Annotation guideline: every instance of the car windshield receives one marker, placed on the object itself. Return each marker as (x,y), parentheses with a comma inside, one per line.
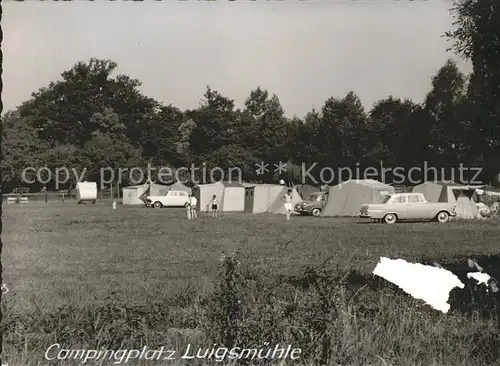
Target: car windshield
(385,199)
(312,197)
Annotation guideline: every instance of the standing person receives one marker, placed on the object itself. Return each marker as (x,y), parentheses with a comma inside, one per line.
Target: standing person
(188,208)
(193,202)
(287,199)
(214,205)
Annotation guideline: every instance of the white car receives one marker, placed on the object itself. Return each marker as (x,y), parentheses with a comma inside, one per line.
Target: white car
(171,199)
(408,207)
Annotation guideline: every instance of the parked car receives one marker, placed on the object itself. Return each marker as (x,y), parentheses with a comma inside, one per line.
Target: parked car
(313,205)
(171,199)
(408,207)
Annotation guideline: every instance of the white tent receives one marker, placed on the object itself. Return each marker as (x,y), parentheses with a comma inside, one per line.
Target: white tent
(466,207)
(204,193)
(278,206)
(231,196)
(260,197)
(234,197)
(131,194)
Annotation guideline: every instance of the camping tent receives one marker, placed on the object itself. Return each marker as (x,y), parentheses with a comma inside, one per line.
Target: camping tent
(461,195)
(234,197)
(135,195)
(231,196)
(466,207)
(277,206)
(444,191)
(347,198)
(131,194)
(178,186)
(305,190)
(157,190)
(204,193)
(257,198)
(260,197)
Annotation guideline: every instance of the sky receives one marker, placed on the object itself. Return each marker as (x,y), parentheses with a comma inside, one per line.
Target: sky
(304,52)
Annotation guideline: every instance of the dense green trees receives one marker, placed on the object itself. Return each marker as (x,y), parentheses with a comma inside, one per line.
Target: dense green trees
(93,118)
(476,37)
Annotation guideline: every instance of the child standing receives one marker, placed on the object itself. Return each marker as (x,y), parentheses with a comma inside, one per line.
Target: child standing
(214,205)
(193,201)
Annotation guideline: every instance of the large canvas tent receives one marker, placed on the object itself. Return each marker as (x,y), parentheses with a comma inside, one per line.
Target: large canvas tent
(444,191)
(259,198)
(231,196)
(136,195)
(466,206)
(305,190)
(347,198)
(178,186)
(461,195)
(204,193)
(278,207)
(156,190)
(234,197)
(131,194)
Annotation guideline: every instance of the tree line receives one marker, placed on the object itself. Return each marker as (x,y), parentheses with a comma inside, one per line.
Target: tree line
(93,118)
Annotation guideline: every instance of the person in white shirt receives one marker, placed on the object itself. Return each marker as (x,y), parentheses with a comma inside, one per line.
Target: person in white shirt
(287,198)
(193,201)
(188,208)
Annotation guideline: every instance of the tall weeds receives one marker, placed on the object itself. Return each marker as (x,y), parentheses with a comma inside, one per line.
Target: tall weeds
(335,318)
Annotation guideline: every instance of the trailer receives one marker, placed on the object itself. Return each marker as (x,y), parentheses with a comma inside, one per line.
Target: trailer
(86,192)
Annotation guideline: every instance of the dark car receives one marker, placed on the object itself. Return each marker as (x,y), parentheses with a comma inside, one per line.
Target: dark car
(313,205)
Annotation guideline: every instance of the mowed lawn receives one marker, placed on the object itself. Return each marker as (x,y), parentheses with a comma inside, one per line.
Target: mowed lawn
(57,254)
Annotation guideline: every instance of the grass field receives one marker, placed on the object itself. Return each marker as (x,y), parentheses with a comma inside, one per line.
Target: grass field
(79,257)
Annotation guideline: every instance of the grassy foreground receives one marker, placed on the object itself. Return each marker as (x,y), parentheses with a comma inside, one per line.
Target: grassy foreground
(89,277)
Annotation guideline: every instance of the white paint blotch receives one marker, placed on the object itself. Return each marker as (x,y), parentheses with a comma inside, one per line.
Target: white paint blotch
(427,283)
(479,277)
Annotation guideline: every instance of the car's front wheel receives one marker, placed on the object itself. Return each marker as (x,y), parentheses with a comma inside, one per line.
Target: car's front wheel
(316,212)
(390,218)
(157,204)
(443,217)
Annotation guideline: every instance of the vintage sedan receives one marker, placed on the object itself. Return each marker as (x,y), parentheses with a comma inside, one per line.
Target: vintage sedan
(171,199)
(408,207)
(313,205)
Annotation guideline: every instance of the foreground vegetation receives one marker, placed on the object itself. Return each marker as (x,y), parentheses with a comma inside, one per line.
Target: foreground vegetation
(89,277)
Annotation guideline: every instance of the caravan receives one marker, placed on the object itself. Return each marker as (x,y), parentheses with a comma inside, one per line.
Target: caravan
(86,192)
